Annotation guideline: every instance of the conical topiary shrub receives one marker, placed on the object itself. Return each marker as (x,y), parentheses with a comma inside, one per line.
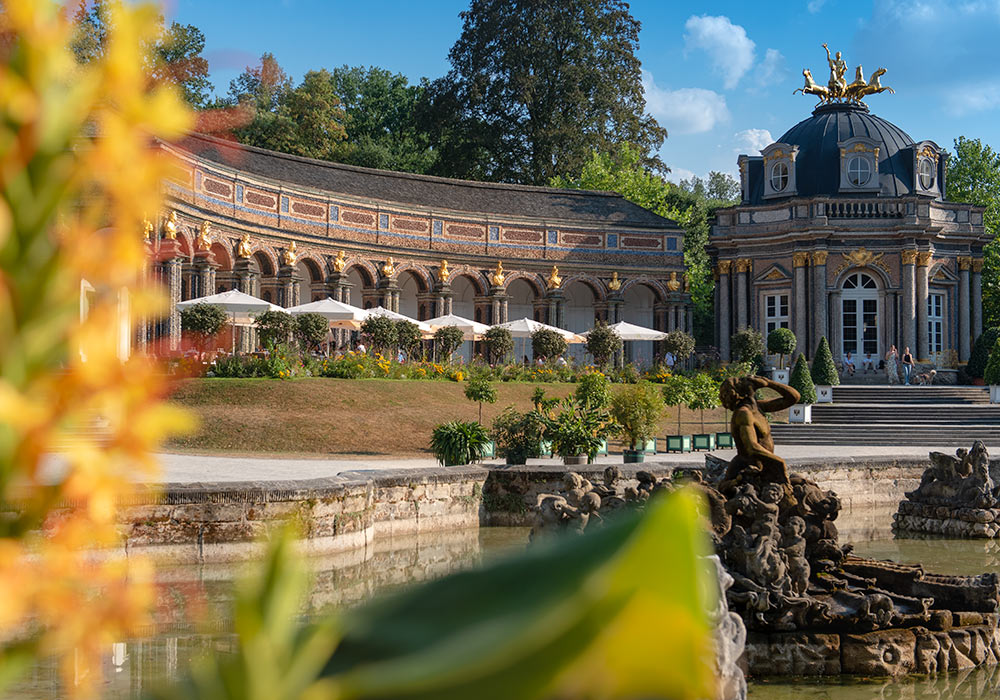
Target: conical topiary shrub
(824,371)
(802,381)
(992,372)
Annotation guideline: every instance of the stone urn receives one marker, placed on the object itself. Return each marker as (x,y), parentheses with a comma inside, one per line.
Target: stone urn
(824,393)
(800,413)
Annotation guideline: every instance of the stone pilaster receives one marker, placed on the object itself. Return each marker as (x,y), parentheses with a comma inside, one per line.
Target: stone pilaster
(820,301)
(742,300)
(689,318)
(725,309)
(557,303)
(908,310)
(288,286)
(204,279)
(977,297)
(836,339)
(247,280)
(800,262)
(964,309)
(615,303)
(923,339)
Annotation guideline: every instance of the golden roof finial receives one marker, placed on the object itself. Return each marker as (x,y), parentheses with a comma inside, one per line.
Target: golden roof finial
(204,241)
(290,256)
(243,249)
(443,273)
(170,227)
(615,284)
(554,281)
(339,262)
(838,89)
(498,276)
(389,267)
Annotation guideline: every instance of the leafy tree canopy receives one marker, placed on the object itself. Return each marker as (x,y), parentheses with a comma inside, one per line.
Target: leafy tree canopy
(175,56)
(974,178)
(310,330)
(274,327)
(602,343)
(535,87)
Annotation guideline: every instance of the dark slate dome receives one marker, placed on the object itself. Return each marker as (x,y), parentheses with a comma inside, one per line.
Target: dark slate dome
(817,166)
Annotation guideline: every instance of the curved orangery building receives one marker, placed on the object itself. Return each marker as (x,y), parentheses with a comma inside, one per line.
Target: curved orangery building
(292,230)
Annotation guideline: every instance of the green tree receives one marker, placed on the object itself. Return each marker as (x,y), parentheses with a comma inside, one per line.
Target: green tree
(382,332)
(306,120)
(680,343)
(703,394)
(747,345)
(824,371)
(204,322)
(499,344)
(981,352)
(801,380)
(636,410)
(479,388)
(547,343)
(677,392)
(603,343)
(535,87)
(274,327)
(974,178)
(407,336)
(992,373)
(447,340)
(310,330)
(781,342)
(719,189)
(175,56)
(380,120)
(593,390)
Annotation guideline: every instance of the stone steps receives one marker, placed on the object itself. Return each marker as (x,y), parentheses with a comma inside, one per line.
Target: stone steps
(864,414)
(885,434)
(911,394)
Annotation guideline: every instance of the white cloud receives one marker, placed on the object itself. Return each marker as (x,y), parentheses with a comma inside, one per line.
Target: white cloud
(815,6)
(677,174)
(751,141)
(686,110)
(728,47)
(772,68)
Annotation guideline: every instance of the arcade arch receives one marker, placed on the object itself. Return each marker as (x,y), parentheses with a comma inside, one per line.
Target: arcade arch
(639,301)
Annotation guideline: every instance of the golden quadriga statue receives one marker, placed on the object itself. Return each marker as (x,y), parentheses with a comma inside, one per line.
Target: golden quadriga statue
(837,88)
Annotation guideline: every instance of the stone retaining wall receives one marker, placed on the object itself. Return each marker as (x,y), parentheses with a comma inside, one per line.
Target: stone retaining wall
(225,521)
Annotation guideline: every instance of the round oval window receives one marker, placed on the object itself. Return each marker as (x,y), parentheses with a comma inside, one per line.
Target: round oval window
(779,176)
(859,171)
(926,170)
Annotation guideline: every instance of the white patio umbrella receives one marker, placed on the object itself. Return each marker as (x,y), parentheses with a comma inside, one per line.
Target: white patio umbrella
(241,307)
(380,311)
(473,330)
(524,327)
(339,314)
(630,331)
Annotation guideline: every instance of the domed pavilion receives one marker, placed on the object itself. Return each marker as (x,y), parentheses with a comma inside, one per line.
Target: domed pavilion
(843,231)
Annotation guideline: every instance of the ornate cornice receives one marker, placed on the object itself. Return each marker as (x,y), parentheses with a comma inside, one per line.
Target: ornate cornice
(819,257)
(909,257)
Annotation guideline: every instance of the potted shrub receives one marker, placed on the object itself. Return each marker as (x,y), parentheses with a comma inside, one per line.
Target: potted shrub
(547,344)
(594,390)
(517,435)
(577,431)
(992,373)
(676,390)
(802,382)
(781,342)
(603,343)
(704,394)
(459,442)
(636,410)
(980,354)
(204,321)
(680,344)
(480,389)
(824,372)
(499,344)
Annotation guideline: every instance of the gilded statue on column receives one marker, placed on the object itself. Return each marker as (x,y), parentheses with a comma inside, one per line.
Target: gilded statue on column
(243,250)
(389,267)
(443,272)
(290,256)
(170,227)
(673,284)
(204,241)
(498,276)
(147,230)
(339,262)
(554,281)
(615,284)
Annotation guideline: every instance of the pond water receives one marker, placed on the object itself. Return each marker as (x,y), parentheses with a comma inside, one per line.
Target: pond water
(205,593)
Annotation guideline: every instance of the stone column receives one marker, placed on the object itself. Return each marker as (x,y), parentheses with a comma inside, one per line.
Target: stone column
(663,317)
(964,309)
(908,311)
(836,325)
(977,297)
(800,261)
(615,302)
(742,302)
(173,269)
(503,310)
(689,318)
(556,301)
(725,311)
(923,341)
(288,286)
(819,297)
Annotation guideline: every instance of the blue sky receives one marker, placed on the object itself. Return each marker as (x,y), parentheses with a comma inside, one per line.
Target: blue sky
(718,75)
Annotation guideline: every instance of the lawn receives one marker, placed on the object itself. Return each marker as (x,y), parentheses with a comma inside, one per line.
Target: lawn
(315,417)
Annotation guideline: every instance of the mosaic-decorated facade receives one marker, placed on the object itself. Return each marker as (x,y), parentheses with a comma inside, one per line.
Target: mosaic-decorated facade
(292,230)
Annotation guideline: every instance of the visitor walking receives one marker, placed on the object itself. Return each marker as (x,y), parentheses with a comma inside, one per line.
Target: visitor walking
(892,365)
(907,365)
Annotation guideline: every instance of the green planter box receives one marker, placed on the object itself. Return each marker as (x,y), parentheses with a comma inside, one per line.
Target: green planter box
(703,441)
(545,449)
(724,440)
(489,450)
(678,443)
(649,447)
(603,449)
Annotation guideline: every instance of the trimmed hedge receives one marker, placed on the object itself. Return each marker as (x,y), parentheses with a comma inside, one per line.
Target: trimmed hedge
(802,381)
(824,371)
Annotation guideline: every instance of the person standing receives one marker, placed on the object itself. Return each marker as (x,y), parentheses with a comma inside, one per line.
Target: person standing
(891,365)
(907,365)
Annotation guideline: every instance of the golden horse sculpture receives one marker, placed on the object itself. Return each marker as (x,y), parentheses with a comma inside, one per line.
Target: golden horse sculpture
(838,88)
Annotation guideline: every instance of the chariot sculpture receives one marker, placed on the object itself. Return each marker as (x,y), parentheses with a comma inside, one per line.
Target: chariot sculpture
(838,89)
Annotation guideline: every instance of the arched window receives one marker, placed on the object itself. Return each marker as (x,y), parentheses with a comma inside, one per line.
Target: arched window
(779,176)
(860,280)
(926,173)
(859,171)
(859,316)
